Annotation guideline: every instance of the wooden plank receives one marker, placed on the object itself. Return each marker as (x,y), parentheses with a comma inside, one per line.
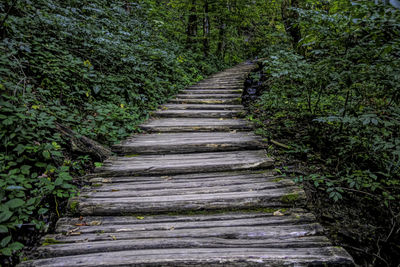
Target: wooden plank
(269,198)
(151,219)
(208,96)
(189,142)
(213,92)
(320,256)
(185,163)
(192,113)
(206,101)
(255,232)
(196,125)
(202,106)
(89,226)
(267,182)
(217,87)
(217,83)
(70,249)
(187,177)
(123,191)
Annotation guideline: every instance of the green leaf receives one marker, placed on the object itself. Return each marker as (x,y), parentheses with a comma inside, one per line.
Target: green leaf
(3,229)
(6,251)
(15,203)
(19,148)
(58,181)
(46,154)
(25,169)
(16,246)
(4,242)
(5,215)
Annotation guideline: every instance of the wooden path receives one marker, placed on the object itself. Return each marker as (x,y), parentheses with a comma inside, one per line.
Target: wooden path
(196,189)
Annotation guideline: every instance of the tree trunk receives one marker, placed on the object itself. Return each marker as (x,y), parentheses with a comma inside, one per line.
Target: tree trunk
(221,41)
(289,18)
(82,144)
(128,7)
(191,31)
(206,30)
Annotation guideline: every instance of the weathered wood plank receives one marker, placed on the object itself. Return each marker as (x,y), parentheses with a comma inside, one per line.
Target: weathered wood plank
(151,219)
(217,87)
(269,198)
(188,142)
(185,163)
(206,257)
(254,232)
(212,92)
(178,113)
(265,182)
(183,242)
(86,225)
(195,124)
(206,101)
(187,177)
(202,106)
(207,188)
(213,84)
(208,96)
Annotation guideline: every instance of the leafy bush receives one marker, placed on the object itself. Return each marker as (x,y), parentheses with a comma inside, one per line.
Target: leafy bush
(340,99)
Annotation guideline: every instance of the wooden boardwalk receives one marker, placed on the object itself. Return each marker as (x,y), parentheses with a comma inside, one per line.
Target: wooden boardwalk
(196,189)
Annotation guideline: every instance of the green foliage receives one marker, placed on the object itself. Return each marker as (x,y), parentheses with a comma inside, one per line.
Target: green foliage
(340,99)
(96,67)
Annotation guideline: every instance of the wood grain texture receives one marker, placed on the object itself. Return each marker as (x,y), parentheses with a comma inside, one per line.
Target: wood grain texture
(195,125)
(208,96)
(187,177)
(206,101)
(202,106)
(185,163)
(212,92)
(188,142)
(325,256)
(192,113)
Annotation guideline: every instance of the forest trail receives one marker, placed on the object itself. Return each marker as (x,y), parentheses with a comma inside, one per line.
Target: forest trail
(195,189)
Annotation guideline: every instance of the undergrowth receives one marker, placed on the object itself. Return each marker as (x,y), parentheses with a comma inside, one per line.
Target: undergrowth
(334,106)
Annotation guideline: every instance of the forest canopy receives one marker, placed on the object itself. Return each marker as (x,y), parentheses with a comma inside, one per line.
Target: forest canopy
(327,87)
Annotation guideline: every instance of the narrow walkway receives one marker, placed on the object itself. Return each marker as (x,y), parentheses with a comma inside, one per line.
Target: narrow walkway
(197,189)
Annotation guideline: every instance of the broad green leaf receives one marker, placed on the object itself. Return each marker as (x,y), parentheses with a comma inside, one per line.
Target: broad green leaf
(15,203)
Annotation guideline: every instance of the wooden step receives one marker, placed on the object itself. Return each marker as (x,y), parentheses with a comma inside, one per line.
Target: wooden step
(232,239)
(227,182)
(220,81)
(216,87)
(188,142)
(185,163)
(202,106)
(327,256)
(202,113)
(195,124)
(212,91)
(269,198)
(232,176)
(121,192)
(206,101)
(208,96)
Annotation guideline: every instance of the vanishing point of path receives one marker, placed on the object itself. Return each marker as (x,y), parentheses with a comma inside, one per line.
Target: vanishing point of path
(195,189)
